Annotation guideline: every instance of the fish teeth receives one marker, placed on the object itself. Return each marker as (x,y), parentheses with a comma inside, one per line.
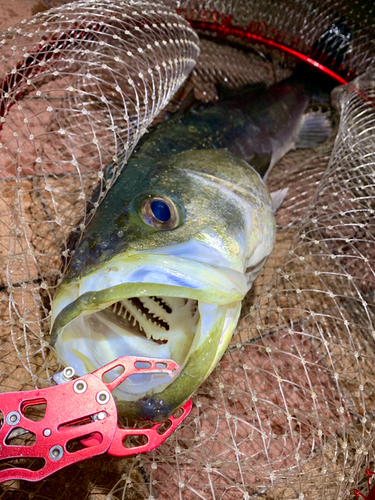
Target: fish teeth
(150,317)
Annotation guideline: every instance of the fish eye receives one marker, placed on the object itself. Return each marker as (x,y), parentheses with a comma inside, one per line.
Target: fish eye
(160,212)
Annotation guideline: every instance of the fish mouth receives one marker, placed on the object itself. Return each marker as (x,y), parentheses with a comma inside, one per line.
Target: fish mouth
(182,310)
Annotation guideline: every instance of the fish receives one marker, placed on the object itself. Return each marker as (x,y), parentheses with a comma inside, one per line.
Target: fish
(163,266)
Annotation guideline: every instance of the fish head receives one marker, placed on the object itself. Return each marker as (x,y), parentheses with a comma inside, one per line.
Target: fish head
(161,272)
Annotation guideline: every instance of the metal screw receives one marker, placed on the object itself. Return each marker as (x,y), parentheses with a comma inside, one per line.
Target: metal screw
(56,453)
(99,416)
(47,432)
(13,418)
(102,397)
(68,373)
(80,386)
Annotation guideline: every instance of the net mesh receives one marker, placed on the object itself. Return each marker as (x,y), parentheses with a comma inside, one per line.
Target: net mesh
(288,413)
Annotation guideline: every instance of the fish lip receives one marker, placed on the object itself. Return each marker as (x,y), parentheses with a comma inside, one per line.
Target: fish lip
(214,285)
(91,302)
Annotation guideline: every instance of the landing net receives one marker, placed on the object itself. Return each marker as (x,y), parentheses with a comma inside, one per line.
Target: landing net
(289,412)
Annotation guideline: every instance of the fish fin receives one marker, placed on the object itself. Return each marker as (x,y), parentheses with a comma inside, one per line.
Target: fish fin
(315,129)
(278,198)
(260,162)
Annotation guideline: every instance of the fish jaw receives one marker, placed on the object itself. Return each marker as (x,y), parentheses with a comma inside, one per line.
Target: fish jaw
(200,363)
(87,335)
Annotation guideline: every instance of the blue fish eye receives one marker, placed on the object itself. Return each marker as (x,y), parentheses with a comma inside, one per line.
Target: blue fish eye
(161,210)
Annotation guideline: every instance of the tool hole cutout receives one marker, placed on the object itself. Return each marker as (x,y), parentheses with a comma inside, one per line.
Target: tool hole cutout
(34,410)
(178,413)
(20,437)
(32,464)
(161,365)
(81,443)
(142,364)
(77,422)
(162,429)
(135,441)
(1,419)
(113,374)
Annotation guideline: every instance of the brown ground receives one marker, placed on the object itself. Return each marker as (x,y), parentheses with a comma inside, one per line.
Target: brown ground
(13,11)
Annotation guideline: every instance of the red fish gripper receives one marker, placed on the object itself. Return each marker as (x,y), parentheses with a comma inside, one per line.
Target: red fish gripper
(371,493)
(80,422)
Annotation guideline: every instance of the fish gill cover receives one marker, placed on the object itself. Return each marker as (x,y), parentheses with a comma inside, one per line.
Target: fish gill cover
(288,413)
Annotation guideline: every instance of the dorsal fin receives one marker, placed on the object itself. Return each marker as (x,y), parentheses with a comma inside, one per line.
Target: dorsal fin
(315,129)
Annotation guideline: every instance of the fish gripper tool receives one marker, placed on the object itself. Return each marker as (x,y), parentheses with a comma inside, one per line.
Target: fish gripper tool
(371,493)
(80,421)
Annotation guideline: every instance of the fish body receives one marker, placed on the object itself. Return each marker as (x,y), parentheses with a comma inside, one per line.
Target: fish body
(174,247)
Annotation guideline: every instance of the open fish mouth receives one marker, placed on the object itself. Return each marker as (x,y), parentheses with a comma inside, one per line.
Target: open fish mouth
(153,317)
(157,319)
(182,310)
(151,326)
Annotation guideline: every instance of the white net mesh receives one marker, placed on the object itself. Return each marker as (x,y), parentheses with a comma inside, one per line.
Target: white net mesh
(289,411)
(80,86)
